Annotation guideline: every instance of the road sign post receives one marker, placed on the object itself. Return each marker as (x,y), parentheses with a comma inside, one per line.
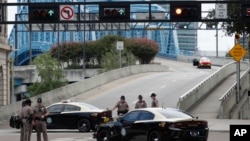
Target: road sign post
(119,47)
(237,52)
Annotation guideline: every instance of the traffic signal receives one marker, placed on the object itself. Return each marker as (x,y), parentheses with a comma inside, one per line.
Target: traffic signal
(41,13)
(114,11)
(245,12)
(185,12)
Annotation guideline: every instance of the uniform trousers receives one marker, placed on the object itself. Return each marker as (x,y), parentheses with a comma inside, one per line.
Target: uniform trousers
(27,128)
(41,128)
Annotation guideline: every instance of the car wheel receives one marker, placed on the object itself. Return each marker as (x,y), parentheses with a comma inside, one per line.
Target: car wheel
(83,125)
(154,136)
(104,135)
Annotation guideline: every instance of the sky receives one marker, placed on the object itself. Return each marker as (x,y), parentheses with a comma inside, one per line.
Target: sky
(206,38)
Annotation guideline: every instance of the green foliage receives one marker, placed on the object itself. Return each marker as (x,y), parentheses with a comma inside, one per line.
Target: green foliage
(50,73)
(234,12)
(144,49)
(103,52)
(110,60)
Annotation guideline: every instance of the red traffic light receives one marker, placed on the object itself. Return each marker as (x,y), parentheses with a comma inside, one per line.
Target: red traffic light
(40,13)
(248,12)
(114,12)
(110,12)
(185,12)
(178,11)
(107,12)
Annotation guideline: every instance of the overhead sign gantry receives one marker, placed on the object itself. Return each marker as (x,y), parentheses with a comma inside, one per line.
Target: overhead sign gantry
(73,16)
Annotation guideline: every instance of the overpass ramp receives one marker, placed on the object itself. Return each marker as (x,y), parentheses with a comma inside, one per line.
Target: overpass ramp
(209,107)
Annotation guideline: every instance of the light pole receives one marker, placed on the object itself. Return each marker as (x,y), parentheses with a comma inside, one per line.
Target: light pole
(83,48)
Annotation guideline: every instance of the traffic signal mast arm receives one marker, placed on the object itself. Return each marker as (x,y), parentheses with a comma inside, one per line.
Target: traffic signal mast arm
(178,12)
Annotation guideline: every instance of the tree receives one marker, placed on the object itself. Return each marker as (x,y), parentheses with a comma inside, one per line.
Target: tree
(142,48)
(50,73)
(231,28)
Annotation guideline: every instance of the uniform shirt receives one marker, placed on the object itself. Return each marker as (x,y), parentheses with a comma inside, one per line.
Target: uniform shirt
(122,106)
(140,104)
(27,111)
(39,110)
(154,103)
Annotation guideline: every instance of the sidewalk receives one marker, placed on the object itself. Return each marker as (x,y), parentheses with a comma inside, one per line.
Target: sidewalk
(223,125)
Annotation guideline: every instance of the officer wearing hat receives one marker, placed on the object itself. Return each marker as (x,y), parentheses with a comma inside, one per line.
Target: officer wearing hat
(40,113)
(140,103)
(155,102)
(27,120)
(20,120)
(122,106)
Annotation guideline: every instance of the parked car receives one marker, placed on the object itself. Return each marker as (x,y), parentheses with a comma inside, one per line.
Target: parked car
(72,115)
(151,124)
(204,62)
(195,62)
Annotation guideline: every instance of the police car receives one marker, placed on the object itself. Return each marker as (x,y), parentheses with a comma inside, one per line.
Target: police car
(154,124)
(73,115)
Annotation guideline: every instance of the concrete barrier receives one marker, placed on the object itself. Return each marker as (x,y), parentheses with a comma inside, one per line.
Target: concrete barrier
(200,91)
(230,107)
(82,86)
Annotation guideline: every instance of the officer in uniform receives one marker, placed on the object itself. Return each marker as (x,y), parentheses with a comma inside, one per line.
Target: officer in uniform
(140,103)
(27,120)
(155,102)
(40,112)
(122,106)
(20,115)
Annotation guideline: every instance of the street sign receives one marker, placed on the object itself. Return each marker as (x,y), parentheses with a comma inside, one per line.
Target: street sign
(221,11)
(237,52)
(67,12)
(119,45)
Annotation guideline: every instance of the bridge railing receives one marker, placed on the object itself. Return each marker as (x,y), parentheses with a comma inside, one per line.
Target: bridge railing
(230,107)
(203,89)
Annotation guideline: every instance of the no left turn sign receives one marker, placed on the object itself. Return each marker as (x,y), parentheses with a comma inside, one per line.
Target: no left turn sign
(66,12)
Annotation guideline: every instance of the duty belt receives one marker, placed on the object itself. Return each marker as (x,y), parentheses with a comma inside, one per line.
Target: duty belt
(38,118)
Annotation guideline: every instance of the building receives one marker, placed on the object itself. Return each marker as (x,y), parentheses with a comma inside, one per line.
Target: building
(29,44)
(4,60)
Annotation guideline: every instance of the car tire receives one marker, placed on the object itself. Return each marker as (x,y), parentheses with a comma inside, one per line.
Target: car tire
(84,125)
(104,135)
(154,135)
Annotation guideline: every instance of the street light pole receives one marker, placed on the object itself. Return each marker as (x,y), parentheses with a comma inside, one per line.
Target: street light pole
(83,50)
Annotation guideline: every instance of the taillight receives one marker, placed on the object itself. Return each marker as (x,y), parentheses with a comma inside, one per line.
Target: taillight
(176,125)
(189,124)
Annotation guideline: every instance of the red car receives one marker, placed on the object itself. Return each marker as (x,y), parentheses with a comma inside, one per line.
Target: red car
(204,62)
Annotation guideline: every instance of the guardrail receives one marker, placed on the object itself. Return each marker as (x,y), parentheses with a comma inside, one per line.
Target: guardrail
(82,86)
(229,105)
(200,91)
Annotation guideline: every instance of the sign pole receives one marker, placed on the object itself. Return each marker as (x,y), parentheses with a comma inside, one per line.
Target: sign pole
(237,52)
(237,74)
(119,47)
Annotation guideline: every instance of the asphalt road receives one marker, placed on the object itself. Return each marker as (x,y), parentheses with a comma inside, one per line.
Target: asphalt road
(168,86)
(8,134)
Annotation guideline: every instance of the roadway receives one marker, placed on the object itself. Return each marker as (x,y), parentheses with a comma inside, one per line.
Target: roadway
(168,86)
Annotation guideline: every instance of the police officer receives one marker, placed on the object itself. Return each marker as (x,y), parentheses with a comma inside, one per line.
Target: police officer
(20,115)
(27,120)
(140,103)
(40,113)
(122,106)
(155,102)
